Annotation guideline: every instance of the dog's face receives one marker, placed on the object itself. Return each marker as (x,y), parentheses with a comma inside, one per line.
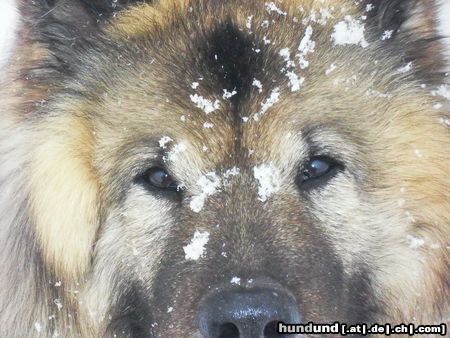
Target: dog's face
(253,153)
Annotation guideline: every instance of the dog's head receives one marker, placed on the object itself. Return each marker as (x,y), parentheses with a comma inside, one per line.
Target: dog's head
(217,167)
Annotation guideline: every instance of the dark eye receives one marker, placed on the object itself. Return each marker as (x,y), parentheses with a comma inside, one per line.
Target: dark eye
(159,178)
(318,170)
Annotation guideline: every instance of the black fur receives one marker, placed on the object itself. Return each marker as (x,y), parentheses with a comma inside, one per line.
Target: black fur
(108,7)
(229,55)
(389,14)
(130,315)
(422,48)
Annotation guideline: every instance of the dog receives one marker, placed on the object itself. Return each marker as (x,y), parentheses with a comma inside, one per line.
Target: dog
(181,168)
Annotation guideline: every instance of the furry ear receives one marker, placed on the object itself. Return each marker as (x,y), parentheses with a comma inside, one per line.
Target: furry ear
(70,10)
(410,27)
(399,16)
(66,29)
(107,7)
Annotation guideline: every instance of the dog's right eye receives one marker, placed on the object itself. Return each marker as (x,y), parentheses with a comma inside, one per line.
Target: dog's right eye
(159,178)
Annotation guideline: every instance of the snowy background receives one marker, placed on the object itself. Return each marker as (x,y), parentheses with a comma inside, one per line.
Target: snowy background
(9,19)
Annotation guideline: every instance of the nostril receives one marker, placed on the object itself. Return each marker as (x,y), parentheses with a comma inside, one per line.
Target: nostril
(271,330)
(228,330)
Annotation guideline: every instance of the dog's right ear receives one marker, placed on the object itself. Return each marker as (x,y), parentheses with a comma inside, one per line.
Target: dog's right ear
(82,14)
(105,8)
(64,27)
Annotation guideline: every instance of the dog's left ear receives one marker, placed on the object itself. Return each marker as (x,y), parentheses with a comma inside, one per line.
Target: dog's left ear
(410,26)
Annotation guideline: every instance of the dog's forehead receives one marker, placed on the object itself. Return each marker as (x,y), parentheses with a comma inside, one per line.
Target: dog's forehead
(231,94)
(236,93)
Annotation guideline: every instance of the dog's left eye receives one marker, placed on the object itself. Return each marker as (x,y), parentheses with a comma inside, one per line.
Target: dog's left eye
(159,178)
(318,170)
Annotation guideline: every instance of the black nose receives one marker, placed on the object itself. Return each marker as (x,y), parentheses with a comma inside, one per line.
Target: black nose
(247,312)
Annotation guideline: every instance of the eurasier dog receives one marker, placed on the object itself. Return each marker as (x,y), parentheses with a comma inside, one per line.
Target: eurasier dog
(212,168)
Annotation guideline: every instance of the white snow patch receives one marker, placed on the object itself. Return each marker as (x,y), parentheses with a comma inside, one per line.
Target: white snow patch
(443,90)
(406,68)
(266,40)
(58,303)
(226,94)
(435,246)
(208,125)
(313,17)
(257,84)
(437,106)
(204,104)
(273,98)
(286,55)
(445,121)
(414,242)
(194,85)
(235,280)
(233,171)
(209,184)
(306,46)
(164,140)
(38,326)
(387,34)
(176,150)
(268,178)
(376,93)
(294,81)
(324,16)
(330,69)
(248,23)
(369,7)
(169,309)
(196,248)
(271,7)
(349,32)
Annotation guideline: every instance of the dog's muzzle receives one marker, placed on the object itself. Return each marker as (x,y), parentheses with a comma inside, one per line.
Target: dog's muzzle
(250,311)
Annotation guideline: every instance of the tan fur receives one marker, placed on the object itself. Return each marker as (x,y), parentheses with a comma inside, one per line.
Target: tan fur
(65,190)
(396,145)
